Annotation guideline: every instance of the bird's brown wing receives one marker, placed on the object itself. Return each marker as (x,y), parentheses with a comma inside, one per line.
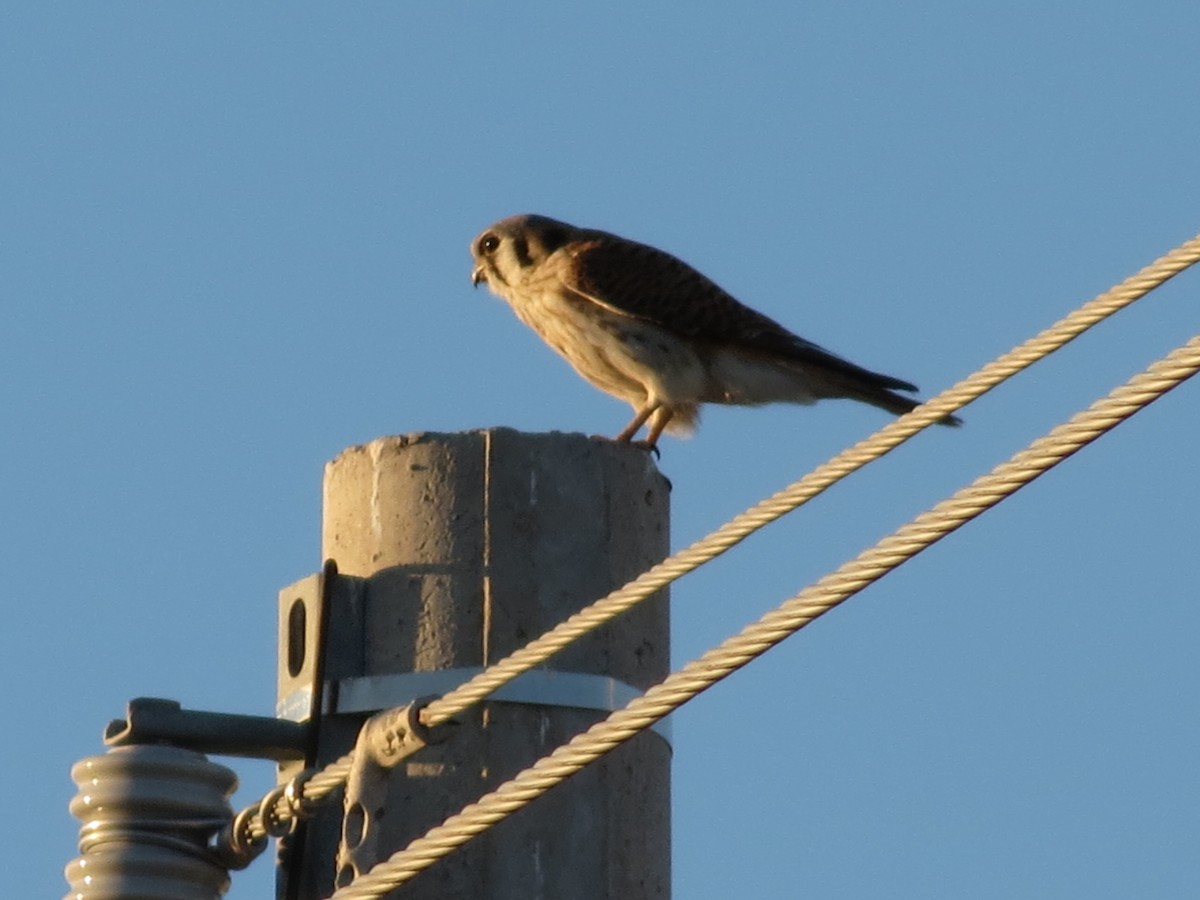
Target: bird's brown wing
(637,280)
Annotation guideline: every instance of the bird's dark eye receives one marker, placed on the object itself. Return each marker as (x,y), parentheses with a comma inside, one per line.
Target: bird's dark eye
(488,243)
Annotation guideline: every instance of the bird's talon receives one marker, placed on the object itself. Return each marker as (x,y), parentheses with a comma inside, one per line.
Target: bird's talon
(649,447)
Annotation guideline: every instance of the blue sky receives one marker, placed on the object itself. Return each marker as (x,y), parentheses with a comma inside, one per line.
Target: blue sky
(233,241)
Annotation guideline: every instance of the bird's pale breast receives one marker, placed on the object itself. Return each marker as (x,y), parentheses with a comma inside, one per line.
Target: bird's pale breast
(620,355)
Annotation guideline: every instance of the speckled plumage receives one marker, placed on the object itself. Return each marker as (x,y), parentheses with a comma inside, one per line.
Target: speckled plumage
(646,327)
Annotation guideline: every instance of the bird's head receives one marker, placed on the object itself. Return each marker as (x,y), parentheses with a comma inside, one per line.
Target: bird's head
(507,253)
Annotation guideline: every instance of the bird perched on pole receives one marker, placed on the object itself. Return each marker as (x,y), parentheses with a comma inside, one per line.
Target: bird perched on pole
(646,327)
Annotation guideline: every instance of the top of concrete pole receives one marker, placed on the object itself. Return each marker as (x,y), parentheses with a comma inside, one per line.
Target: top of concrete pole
(368,527)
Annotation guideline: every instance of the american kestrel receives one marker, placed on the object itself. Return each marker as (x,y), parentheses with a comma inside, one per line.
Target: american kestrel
(650,330)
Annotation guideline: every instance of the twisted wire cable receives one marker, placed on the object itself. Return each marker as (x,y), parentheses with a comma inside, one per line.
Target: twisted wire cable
(758,637)
(319,786)
(779,504)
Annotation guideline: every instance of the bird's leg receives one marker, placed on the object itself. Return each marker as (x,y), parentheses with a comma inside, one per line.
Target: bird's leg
(639,420)
(662,416)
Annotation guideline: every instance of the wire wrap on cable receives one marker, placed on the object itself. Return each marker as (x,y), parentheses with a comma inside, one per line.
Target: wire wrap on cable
(754,640)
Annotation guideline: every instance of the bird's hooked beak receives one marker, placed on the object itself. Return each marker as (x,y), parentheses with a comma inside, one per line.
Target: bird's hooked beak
(478,275)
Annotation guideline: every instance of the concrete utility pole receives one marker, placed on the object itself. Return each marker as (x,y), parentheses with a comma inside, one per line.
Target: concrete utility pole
(471,545)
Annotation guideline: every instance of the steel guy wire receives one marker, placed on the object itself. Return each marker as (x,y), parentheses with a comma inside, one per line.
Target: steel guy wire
(779,504)
(780,623)
(321,785)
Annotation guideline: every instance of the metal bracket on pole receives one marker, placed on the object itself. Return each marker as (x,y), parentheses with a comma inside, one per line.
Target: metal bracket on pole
(151,720)
(394,734)
(385,740)
(536,687)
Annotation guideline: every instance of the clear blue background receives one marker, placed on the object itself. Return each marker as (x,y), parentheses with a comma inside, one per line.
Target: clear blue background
(233,241)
